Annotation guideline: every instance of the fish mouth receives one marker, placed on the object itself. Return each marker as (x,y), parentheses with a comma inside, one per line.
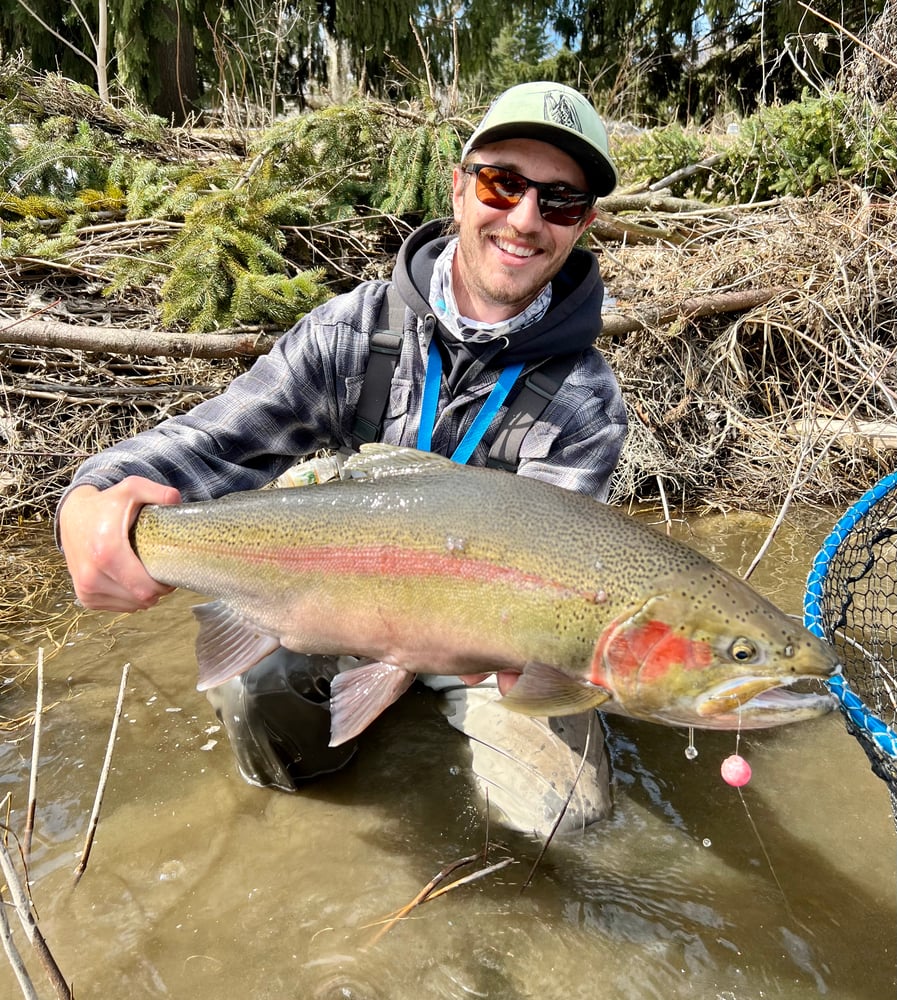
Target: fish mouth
(760,703)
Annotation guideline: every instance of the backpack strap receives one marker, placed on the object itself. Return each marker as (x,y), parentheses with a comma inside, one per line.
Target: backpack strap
(537,391)
(530,402)
(386,346)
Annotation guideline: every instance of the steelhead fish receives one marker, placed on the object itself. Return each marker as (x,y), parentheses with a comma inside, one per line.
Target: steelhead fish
(422,565)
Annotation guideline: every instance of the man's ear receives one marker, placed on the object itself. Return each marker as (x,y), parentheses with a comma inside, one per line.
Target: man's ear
(459,183)
(589,218)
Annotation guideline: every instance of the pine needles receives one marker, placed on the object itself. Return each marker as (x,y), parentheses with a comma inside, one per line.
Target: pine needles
(232,259)
(227,265)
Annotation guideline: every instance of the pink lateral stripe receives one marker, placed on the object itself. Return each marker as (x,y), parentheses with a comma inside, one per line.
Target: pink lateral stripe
(389,560)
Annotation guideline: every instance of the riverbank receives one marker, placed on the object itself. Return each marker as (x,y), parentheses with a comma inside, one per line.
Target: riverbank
(755,348)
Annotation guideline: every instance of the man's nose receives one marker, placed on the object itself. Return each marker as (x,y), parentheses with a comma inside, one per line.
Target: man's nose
(525,215)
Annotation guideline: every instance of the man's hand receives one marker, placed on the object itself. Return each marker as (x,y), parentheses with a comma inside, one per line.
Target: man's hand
(93,532)
(506,679)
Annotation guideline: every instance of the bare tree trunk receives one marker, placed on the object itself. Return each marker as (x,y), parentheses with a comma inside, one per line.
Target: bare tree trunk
(103,50)
(175,60)
(337,73)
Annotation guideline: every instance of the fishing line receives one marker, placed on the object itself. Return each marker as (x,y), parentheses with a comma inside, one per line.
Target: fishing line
(691,752)
(772,870)
(754,827)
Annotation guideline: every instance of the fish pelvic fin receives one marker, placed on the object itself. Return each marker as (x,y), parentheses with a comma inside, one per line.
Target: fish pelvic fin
(359,695)
(227,644)
(545,690)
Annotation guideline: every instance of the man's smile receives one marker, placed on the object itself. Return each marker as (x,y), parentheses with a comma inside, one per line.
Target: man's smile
(516,249)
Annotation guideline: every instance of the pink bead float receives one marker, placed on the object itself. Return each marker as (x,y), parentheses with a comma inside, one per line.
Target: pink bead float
(735,771)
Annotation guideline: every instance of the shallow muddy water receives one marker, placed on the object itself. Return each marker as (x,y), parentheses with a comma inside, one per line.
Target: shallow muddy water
(200,886)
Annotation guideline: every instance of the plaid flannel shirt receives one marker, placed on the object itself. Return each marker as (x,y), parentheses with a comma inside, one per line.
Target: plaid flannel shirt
(301,397)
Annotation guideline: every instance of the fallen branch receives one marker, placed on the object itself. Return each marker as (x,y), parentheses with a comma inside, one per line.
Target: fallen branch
(158,343)
(654,201)
(617,230)
(121,340)
(615,324)
(683,172)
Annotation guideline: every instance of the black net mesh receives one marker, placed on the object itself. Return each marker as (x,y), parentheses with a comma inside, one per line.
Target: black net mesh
(852,602)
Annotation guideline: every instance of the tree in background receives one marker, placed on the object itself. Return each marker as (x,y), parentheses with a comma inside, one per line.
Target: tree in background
(681,60)
(155,54)
(146,47)
(57,36)
(651,60)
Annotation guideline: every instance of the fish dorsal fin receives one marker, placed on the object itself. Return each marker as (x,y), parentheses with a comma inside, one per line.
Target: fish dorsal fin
(227,644)
(377,461)
(545,690)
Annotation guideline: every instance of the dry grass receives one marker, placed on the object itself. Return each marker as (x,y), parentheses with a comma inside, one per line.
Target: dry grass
(58,407)
(33,611)
(744,410)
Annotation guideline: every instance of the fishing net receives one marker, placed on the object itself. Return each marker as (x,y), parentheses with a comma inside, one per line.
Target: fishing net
(851,601)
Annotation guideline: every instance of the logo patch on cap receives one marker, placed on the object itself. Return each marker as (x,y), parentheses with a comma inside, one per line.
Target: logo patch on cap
(558,108)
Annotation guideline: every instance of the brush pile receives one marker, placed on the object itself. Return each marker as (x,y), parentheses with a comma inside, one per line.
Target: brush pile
(754,340)
(793,397)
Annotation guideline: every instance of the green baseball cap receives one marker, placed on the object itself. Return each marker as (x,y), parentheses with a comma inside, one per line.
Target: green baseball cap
(554,114)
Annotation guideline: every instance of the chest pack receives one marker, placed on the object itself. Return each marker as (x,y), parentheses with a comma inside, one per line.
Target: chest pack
(524,408)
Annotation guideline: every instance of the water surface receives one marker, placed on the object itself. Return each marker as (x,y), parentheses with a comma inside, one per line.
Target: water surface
(200,886)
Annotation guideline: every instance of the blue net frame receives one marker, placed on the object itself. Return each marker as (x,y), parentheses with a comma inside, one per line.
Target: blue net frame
(851,602)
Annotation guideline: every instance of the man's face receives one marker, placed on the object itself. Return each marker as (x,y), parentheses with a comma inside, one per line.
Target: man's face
(506,257)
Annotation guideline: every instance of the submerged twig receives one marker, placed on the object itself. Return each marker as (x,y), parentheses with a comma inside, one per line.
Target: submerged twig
(15,959)
(23,909)
(465,879)
(35,756)
(104,775)
(434,889)
(562,811)
(422,896)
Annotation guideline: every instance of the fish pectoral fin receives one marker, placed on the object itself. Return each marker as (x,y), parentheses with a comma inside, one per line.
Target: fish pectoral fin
(359,695)
(545,690)
(227,644)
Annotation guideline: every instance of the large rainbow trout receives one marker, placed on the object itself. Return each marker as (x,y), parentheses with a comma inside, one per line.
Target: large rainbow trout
(420,565)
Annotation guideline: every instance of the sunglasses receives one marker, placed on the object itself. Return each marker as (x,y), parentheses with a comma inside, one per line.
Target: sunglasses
(559,204)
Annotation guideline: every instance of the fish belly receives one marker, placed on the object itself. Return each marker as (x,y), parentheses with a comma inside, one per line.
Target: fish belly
(450,626)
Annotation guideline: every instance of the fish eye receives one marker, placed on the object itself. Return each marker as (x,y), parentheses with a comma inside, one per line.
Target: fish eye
(743,650)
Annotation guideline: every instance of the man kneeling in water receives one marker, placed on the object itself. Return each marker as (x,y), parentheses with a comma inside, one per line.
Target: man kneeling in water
(486,306)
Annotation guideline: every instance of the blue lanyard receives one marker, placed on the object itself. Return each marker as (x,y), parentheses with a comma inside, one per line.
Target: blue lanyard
(482,420)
